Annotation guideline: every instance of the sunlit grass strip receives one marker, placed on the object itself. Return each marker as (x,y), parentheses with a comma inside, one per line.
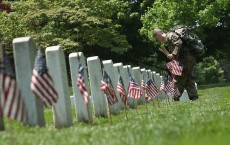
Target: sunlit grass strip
(201,122)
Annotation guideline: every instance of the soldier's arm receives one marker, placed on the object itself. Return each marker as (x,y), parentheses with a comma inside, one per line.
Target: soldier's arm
(177,43)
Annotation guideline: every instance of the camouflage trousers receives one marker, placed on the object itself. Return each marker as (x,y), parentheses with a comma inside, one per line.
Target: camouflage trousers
(187,80)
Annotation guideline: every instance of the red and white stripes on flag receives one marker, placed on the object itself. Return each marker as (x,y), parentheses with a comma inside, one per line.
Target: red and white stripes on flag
(11,102)
(162,87)
(143,86)
(121,90)
(108,89)
(174,67)
(42,87)
(172,89)
(151,89)
(176,92)
(81,84)
(134,90)
(42,84)
(169,86)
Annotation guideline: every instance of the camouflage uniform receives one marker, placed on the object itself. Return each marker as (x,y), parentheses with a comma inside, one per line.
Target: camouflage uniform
(184,55)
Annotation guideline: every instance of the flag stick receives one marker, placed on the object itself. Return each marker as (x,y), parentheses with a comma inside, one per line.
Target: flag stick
(136,105)
(125,103)
(145,100)
(2,127)
(126,116)
(167,99)
(158,101)
(153,102)
(110,115)
(11,132)
(146,105)
(126,107)
(87,108)
(1,123)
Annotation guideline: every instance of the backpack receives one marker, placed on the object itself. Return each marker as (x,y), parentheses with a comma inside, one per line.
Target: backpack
(190,39)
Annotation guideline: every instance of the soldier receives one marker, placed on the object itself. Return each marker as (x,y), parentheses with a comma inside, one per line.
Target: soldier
(181,52)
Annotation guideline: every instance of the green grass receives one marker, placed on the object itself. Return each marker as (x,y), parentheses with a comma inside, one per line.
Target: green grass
(202,122)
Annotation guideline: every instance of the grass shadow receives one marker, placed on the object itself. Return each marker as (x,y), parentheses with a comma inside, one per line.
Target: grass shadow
(213,86)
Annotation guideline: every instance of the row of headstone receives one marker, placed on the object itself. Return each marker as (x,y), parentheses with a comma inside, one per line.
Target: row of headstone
(24,56)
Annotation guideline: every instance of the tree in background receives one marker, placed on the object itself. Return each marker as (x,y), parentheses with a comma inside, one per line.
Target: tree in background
(209,71)
(82,25)
(118,29)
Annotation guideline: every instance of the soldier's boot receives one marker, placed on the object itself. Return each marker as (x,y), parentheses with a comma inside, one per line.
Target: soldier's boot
(176,99)
(193,98)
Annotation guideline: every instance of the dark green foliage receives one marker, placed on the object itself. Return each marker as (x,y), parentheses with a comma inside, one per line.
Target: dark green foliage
(209,71)
(75,25)
(118,29)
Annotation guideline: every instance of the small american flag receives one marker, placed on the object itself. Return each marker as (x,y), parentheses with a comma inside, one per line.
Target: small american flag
(11,102)
(163,87)
(151,89)
(134,89)
(174,67)
(81,84)
(143,86)
(176,92)
(121,90)
(42,84)
(107,87)
(169,85)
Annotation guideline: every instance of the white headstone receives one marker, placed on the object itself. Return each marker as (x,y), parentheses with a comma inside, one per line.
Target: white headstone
(95,77)
(153,75)
(149,73)
(162,95)
(108,67)
(72,101)
(138,77)
(57,68)
(144,77)
(24,58)
(127,70)
(118,70)
(158,83)
(84,112)
(125,77)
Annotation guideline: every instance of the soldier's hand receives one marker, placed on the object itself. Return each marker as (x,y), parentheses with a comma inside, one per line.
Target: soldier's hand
(170,56)
(165,51)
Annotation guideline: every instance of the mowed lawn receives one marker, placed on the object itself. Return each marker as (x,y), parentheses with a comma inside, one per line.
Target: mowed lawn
(202,122)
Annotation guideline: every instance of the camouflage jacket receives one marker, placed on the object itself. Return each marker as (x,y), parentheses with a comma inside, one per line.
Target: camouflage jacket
(174,43)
